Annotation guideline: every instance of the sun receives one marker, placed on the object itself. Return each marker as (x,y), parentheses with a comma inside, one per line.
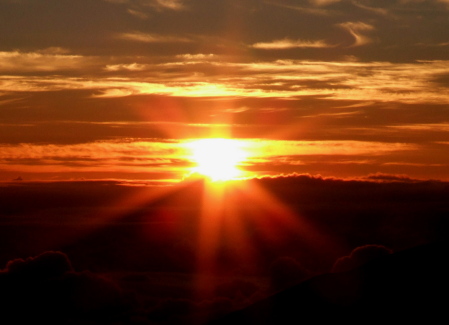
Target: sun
(217,158)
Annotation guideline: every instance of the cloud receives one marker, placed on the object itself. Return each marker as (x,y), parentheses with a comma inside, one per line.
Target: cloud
(232,289)
(97,157)
(390,178)
(138,14)
(127,67)
(280,148)
(356,29)
(169,4)
(359,256)
(206,75)
(159,5)
(286,43)
(46,265)
(438,127)
(174,159)
(151,38)
(53,50)
(46,60)
(285,272)
(46,288)
(302,9)
(185,311)
(379,11)
(323,2)
(198,56)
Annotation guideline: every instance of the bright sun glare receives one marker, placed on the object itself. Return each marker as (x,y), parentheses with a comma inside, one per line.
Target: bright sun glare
(217,158)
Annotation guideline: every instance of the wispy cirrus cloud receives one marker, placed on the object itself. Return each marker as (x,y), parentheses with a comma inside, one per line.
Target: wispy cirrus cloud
(287,43)
(47,60)
(302,9)
(375,10)
(169,4)
(156,4)
(138,13)
(361,81)
(198,56)
(112,158)
(323,2)
(267,148)
(357,30)
(127,67)
(439,127)
(151,38)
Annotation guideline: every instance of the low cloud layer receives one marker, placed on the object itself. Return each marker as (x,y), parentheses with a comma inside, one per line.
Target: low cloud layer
(360,256)
(46,288)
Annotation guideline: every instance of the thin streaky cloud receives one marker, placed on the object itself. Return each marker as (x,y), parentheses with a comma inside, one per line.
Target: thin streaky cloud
(287,43)
(423,127)
(377,81)
(379,11)
(198,56)
(46,60)
(156,4)
(323,2)
(304,10)
(265,148)
(441,44)
(54,50)
(413,164)
(169,4)
(138,14)
(151,38)
(127,67)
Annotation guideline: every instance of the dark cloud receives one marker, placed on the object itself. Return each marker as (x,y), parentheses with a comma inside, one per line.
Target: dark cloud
(285,272)
(236,289)
(442,80)
(46,288)
(185,311)
(360,256)
(404,286)
(390,178)
(46,265)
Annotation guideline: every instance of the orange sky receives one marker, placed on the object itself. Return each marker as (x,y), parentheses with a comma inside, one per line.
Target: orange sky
(98,89)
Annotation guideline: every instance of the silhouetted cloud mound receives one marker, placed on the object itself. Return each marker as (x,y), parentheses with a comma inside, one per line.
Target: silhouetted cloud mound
(409,286)
(186,311)
(286,271)
(46,288)
(360,256)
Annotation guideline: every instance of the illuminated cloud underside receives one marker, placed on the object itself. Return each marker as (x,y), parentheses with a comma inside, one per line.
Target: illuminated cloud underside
(339,80)
(175,157)
(289,44)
